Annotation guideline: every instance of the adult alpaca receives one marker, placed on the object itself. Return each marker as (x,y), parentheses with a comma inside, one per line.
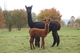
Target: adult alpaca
(40,33)
(54,26)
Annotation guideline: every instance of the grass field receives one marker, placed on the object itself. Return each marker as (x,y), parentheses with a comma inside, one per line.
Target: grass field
(18,41)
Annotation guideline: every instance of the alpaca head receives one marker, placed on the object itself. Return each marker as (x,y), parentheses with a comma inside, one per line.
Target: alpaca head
(28,8)
(47,23)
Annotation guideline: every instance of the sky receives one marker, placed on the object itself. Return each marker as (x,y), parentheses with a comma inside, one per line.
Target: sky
(67,8)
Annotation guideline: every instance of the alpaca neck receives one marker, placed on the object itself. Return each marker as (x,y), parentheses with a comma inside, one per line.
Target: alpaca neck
(46,29)
(30,22)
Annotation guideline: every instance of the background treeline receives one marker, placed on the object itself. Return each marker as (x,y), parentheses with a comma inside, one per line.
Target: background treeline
(74,22)
(18,18)
(14,19)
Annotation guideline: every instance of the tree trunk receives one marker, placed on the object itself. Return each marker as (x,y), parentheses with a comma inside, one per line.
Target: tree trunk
(10,28)
(19,28)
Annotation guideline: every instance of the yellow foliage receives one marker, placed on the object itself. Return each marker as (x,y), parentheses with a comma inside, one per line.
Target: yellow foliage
(51,14)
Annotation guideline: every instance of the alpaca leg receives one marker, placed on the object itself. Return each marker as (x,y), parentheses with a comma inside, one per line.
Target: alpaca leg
(33,46)
(42,46)
(33,43)
(55,38)
(30,43)
(37,41)
(58,39)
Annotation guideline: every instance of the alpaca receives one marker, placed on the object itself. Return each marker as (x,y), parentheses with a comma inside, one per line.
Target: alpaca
(39,32)
(54,26)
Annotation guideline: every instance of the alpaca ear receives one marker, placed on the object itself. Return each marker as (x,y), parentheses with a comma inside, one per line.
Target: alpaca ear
(49,20)
(25,6)
(45,20)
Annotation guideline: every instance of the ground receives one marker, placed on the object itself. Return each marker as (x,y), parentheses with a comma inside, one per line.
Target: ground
(18,41)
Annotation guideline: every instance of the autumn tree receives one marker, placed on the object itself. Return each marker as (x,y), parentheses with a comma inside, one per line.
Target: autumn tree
(2,20)
(63,23)
(78,21)
(51,14)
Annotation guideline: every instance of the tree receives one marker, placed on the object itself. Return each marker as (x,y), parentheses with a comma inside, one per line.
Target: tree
(2,20)
(9,20)
(69,25)
(78,21)
(63,23)
(71,21)
(19,17)
(51,14)
(15,18)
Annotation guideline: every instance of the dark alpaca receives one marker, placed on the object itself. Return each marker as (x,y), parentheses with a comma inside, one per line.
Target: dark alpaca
(40,33)
(54,26)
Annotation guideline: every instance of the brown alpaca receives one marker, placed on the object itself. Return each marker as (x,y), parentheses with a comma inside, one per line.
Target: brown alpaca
(39,32)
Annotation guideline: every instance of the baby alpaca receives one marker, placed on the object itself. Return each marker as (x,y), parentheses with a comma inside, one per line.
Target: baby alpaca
(39,32)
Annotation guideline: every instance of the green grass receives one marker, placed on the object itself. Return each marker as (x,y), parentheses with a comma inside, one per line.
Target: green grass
(18,41)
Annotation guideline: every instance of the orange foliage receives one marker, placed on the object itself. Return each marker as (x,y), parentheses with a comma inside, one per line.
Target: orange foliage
(1,20)
(51,14)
